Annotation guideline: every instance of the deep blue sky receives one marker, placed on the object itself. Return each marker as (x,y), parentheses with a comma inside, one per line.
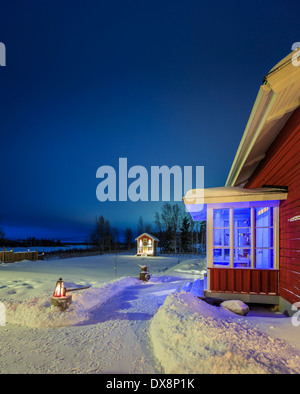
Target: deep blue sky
(158,82)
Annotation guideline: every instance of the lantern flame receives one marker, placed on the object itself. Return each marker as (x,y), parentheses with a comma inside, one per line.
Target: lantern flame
(60,290)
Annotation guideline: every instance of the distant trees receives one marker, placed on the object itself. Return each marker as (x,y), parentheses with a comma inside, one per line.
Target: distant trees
(2,235)
(128,238)
(177,231)
(103,236)
(29,242)
(185,237)
(172,225)
(140,228)
(143,228)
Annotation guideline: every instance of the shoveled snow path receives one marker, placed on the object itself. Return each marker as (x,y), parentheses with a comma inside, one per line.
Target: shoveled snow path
(114,340)
(135,307)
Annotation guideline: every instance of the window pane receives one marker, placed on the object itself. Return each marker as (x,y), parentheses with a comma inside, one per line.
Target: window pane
(242,237)
(242,217)
(221,237)
(221,217)
(221,257)
(264,237)
(242,258)
(264,258)
(264,217)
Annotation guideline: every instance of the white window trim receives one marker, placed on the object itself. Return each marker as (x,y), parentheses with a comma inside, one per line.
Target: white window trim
(210,228)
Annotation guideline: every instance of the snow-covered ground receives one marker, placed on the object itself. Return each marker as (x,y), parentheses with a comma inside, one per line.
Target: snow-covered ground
(123,325)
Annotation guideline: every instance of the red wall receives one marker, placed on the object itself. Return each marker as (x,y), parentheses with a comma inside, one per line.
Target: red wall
(142,237)
(281,167)
(243,280)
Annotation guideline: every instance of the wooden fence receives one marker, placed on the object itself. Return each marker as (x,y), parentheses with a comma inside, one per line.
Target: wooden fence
(9,256)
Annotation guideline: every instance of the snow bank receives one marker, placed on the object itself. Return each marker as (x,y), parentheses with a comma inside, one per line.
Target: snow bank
(38,312)
(189,267)
(190,336)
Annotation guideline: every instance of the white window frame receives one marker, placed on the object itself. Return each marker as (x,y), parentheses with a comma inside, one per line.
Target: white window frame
(231,207)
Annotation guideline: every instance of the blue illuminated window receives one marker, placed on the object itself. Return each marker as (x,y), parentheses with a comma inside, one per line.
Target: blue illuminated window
(221,256)
(243,237)
(221,237)
(264,236)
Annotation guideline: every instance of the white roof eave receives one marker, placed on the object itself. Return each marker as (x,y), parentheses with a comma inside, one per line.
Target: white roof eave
(231,194)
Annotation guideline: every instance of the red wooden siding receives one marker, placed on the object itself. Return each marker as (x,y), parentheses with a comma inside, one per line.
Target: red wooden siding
(251,281)
(144,236)
(281,166)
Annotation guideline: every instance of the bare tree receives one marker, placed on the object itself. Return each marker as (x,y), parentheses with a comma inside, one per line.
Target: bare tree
(128,238)
(148,228)
(140,228)
(171,217)
(115,237)
(2,235)
(107,236)
(157,222)
(97,235)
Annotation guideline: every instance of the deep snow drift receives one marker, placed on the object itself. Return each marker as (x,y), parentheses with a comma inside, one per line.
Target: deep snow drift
(124,325)
(191,336)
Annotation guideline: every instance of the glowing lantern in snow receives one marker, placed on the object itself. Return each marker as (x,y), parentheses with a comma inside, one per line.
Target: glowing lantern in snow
(60,290)
(59,298)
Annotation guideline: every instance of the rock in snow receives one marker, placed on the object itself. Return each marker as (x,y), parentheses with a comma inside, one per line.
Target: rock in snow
(236,306)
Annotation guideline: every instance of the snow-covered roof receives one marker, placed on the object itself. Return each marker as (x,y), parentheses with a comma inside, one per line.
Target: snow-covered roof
(147,235)
(277,99)
(196,200)
(233,194)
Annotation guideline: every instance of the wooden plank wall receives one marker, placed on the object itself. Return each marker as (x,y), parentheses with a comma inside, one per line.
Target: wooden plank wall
(281,166)
(243,280)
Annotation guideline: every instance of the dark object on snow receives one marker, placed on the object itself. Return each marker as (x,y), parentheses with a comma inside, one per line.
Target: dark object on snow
(77,288)
(61,302)
(144,274)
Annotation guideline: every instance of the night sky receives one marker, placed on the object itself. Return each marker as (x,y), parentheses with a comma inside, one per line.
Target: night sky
(158,82)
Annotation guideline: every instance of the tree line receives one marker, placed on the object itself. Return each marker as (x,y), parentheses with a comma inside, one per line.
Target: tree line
(173,226)
(28,242)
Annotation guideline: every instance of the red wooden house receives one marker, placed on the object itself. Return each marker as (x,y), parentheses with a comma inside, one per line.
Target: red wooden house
(253,223)
(146,245)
